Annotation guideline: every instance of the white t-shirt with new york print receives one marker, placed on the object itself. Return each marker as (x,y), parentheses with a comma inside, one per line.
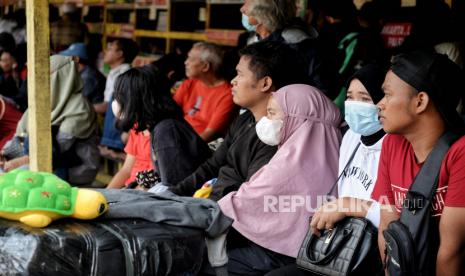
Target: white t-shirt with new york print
(359,178)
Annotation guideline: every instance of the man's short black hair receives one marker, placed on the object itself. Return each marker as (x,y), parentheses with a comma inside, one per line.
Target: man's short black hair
(277,60)
(129,48)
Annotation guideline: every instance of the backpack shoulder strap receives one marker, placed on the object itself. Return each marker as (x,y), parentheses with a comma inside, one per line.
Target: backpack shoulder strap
(421,192)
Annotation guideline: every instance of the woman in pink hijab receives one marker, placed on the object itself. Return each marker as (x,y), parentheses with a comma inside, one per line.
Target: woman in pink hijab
(271,211)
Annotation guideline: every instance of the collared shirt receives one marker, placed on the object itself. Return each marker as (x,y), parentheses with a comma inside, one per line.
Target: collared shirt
(111,78)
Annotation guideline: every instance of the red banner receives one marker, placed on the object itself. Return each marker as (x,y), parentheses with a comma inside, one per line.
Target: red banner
(394,34)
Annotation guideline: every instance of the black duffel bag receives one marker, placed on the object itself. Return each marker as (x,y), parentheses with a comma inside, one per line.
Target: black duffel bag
(125,247)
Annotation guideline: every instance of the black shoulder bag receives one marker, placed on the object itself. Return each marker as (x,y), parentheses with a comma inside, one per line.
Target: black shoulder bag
(412,241)
(350,248)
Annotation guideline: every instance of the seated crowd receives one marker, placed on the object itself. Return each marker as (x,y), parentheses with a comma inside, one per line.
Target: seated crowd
(281,132)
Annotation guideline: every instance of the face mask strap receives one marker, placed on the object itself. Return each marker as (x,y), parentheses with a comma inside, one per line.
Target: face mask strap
(313,119)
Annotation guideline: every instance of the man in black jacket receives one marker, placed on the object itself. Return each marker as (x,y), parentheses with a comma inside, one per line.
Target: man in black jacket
(264,67)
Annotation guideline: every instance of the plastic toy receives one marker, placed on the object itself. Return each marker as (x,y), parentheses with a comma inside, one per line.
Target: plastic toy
(206,189)
(37,198)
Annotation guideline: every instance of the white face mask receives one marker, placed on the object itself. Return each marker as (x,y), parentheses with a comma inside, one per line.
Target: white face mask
(116,108)
(269,131)
(245,23)
(362,117)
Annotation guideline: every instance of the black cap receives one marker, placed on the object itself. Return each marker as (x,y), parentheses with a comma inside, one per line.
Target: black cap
(372,77)
(436,75)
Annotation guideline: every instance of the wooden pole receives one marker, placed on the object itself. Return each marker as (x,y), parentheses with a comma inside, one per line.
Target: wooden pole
(38,85)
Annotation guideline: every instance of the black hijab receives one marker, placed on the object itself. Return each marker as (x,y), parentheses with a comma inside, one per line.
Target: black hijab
(372,77)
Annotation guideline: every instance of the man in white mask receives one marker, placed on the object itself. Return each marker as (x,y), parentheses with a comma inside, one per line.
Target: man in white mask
(263,68)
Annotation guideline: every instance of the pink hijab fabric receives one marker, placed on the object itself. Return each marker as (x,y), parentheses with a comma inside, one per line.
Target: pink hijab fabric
(305,166)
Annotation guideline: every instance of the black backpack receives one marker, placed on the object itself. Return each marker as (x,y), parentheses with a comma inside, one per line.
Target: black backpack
(412,242)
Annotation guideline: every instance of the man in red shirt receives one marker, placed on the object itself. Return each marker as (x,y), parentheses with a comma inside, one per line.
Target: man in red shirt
(421,93)
(206,97)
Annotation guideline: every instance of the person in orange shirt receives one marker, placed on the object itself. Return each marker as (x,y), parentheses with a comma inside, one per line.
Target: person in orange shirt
(137,159)
(205,97)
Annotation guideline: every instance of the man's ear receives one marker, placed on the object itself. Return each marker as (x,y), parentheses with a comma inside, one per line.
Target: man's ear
(265,84)
(422,101)
(206,66)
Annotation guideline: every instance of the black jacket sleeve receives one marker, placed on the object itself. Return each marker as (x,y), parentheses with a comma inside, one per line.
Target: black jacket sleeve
(207,170)
(255,155)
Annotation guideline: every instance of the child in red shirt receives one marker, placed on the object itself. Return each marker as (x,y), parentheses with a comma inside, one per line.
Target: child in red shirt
(137,159)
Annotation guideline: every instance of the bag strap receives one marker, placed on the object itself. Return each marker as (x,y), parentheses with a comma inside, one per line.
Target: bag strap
(345,167)
(423,188)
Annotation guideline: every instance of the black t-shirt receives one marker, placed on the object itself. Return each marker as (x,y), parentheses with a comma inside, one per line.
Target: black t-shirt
(240,155)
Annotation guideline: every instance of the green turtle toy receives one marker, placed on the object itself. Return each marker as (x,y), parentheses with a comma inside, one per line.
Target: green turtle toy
(38,198)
